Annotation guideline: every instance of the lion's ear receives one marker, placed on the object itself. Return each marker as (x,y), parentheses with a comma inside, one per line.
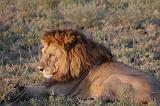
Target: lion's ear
(70,43)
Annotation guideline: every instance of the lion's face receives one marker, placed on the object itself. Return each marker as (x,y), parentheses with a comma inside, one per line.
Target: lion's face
(54,62)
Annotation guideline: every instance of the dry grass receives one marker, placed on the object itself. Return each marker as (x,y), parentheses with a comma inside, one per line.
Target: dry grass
(131,28)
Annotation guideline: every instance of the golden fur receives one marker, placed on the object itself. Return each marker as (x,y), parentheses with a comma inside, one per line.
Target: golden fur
(81,68)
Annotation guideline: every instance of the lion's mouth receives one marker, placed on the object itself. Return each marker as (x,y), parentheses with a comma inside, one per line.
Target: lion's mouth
(47,76)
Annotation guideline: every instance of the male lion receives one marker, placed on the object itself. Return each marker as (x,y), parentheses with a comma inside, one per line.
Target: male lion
(79,68)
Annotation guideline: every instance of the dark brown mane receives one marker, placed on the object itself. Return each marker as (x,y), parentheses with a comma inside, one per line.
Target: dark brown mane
(83,53)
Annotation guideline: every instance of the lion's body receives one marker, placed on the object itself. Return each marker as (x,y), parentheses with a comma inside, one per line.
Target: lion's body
(84,69)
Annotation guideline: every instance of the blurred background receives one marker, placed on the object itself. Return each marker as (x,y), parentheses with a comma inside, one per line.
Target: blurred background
(130,28)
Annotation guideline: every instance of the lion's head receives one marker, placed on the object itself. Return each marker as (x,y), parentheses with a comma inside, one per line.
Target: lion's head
(68,54)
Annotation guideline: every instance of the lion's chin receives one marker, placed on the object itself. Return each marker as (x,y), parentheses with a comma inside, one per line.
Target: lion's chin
(47,76)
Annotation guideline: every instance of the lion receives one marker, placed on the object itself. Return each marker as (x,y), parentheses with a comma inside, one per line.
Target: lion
(79,68)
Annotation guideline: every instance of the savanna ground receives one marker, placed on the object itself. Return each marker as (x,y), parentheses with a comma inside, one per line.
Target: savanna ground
(131,28)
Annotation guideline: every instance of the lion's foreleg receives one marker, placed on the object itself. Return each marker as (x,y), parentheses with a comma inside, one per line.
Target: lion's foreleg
(34,91)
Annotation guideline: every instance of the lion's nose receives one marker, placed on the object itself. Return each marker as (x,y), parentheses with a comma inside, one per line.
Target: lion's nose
(40,68)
